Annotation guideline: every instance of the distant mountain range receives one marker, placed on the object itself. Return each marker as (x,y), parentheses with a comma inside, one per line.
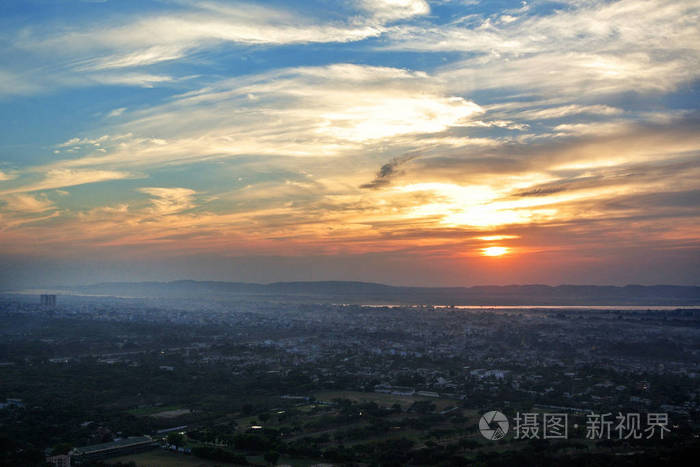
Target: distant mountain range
(372,293)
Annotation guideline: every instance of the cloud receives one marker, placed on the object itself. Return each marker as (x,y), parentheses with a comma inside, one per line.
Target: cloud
(589,48)
(578,153)
(116,112)
(391,10)
(4,176)
(572,74)
(170,200)
(62,177)
(562,111)
(387,172)
(299,112)
(593,128)
(16,83)
(145,80)
(25,203)
(375,117)
(541,191)
(170,34)
(139,58)
(75,142)
(458,184)
(118,48)
(595,47)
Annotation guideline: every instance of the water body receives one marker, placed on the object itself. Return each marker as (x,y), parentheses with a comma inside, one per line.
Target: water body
(548,307)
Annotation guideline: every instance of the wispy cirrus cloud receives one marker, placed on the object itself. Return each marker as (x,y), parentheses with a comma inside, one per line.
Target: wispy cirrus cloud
(388,10)
(17,83)
(557,112)
(299,112)
(119,49)
(590,48)
(169,200)
(61,178)
(28,204)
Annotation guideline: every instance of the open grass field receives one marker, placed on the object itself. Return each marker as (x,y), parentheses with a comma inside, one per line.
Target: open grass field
(171,413)
(161,458)
(149,411)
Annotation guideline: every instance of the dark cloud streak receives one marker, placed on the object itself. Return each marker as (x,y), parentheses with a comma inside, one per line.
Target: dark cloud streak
(388,171)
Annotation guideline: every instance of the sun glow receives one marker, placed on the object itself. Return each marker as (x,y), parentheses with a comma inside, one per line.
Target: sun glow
(476,205)
(495,251)
(493,238)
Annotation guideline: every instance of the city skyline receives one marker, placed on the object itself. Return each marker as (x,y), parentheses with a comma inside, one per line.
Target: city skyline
(407,142)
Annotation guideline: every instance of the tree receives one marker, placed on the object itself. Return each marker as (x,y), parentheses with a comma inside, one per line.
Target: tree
(176,439)
(271,457)
(465,444)
(62,448)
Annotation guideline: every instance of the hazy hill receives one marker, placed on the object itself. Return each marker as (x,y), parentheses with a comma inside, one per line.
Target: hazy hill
(371,293)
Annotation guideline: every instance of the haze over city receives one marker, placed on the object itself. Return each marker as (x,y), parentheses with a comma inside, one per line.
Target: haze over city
(399,141)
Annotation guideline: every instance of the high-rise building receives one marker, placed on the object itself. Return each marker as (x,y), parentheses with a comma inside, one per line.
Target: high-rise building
(48,300)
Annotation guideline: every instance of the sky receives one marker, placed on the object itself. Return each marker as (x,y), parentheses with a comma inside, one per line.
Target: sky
(412,142)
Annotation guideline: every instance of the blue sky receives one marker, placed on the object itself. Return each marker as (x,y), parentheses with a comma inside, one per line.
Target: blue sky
(386,140)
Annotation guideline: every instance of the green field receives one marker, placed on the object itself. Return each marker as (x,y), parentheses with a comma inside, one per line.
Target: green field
(146,411)
(383,399)
(162,458)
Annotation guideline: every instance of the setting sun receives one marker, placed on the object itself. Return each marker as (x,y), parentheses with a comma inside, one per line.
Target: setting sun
(495,251)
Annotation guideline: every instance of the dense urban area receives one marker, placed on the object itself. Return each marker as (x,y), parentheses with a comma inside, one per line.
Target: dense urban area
(109,381)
